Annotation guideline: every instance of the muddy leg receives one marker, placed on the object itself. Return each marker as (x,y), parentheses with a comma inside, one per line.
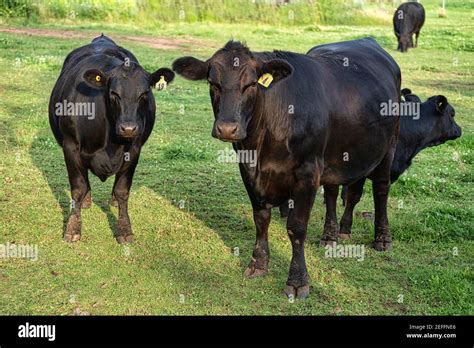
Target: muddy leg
(258,266)
(79,187)
(297,284)
(121,192)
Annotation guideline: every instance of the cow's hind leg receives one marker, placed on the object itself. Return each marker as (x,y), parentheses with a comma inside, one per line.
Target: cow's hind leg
(353,195)
(381,186)
(121,192)
(77,174)
(416,38)
(331,227)
(297,224)
(258,265)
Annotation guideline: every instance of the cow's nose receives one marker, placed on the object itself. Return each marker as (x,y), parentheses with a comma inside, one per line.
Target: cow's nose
(128,129)
(228,131)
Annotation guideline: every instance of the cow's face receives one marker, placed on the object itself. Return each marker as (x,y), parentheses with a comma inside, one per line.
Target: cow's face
(233,74)
(442,113)
(404,42)
(128,93)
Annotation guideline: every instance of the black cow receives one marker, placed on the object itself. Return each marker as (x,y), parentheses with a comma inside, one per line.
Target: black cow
(433,126)
(408,20)
(309,127)
(101,112)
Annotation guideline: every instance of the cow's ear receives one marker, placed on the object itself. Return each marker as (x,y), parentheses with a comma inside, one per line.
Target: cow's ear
(277,68)
(406,91)
(161,75)
(191,68)
(95,78)
(441,102)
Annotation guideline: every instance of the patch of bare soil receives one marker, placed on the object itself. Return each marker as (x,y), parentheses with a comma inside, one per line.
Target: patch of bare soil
(153,42)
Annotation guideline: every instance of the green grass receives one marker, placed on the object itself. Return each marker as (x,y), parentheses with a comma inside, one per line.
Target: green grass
(296,12)
(189,251)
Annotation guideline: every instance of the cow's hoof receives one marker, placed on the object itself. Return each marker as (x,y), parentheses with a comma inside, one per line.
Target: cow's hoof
(70,238)
(253,272)
(324,243)
(87,201)
(124,231)
(294,292)
(114,202)
(383,245)
(122,239)
(73,229)
(344,236)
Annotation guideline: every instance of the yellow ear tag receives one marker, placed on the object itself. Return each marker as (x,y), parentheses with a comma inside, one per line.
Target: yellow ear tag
(97,78)
(160,85)
(265,80)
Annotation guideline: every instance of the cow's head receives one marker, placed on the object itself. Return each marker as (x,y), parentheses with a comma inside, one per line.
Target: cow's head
(441,115)
(233,74)
(404,42)
(127,89)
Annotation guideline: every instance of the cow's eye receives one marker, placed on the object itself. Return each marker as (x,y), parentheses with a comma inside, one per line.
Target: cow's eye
(143,96)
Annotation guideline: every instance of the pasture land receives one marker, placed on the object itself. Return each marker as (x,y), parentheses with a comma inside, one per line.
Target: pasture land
(190,212)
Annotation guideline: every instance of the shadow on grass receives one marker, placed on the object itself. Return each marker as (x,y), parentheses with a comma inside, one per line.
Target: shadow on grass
(233,226)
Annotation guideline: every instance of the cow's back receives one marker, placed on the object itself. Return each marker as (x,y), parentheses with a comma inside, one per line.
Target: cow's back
(408,18)
(359,78)
(100,45)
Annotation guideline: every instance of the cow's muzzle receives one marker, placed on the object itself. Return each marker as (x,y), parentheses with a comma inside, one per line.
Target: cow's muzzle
(228,131)
(127,129)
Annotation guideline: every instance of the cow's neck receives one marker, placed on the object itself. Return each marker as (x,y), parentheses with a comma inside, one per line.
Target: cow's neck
(267,121)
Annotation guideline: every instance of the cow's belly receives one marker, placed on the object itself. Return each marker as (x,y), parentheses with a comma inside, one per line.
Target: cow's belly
(341,175)
(345,167)
(354,151)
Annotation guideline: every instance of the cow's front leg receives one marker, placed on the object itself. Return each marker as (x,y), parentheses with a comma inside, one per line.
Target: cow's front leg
(331,227)
(258,265)
(121,192)
(297,224)
(77,175)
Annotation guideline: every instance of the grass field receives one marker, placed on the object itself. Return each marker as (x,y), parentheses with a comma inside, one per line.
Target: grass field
(184,258)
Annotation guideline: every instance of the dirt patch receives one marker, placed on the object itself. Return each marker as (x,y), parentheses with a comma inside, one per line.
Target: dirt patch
(153,42)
